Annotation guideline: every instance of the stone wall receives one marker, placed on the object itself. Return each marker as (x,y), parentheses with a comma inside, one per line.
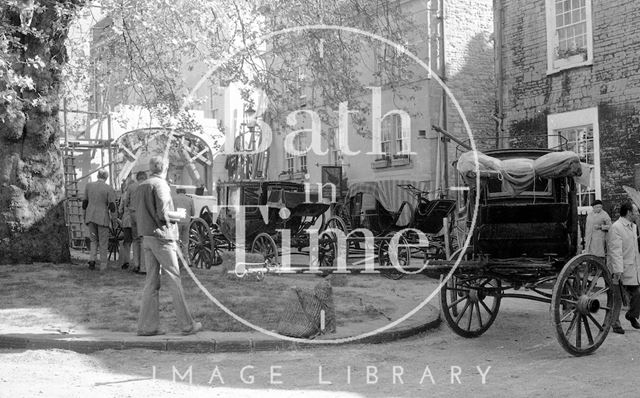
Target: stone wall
(612,83)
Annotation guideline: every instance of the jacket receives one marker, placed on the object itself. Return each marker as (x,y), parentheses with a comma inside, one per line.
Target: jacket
(623,253)
(595,237)
(99,197)
(152,204)
(127,205)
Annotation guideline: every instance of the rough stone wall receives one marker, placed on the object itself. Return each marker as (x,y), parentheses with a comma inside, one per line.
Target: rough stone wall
(469,56)
(612,83)
(32,224)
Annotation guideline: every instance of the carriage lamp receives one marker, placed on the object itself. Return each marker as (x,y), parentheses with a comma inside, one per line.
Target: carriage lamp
(27,8)
(250,114)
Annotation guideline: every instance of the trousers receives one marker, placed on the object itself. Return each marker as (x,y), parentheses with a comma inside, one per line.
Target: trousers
(99,237)
(161,254)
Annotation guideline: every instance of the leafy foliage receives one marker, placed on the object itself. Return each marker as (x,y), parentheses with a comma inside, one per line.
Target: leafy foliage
(143,49)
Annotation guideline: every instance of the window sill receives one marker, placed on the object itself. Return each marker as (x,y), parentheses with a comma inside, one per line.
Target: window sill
(568,63)
(389,163)
(381,163)
(298,175)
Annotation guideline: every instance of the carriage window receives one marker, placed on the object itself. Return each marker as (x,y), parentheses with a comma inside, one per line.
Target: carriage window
(233,198)
(539,187)
(251,196)
(368,202)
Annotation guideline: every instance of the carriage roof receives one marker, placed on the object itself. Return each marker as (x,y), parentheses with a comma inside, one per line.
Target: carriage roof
(285,194)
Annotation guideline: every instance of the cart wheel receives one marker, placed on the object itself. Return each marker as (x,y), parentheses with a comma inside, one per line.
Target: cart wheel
(116,235)
(265,245)
(403,252)
(200,244)
(336,222)
(327,251)
(583,301)
(470,304)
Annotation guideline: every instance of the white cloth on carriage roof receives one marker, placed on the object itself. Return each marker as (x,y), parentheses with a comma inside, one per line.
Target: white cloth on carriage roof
(519,173)
(390,195)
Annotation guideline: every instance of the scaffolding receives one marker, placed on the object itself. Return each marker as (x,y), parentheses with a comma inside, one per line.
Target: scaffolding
(71,148)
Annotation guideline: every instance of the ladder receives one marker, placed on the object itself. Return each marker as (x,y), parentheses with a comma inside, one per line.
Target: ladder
(74,213)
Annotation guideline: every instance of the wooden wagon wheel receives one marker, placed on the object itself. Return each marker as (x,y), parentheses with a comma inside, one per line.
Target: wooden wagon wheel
(116,235)
(337,223)
(200,247)
(402,251)
(470,304)
(265,245)
(583,301)
(327,250)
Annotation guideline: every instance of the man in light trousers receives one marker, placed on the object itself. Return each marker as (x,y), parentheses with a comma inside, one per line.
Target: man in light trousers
(99,201)
(624,260)
(156,222)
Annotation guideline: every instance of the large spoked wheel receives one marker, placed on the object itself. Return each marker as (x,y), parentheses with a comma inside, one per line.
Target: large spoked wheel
(470,304)
(336,223)
(116,236)
(583,304)
(265,245)
(327,252)
(200,247)
(401,251)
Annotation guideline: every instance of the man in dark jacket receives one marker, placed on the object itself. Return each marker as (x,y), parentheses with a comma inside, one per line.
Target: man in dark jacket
(99,202)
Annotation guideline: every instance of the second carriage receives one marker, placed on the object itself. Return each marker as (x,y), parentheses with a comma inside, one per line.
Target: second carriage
(384,209)
(272,210)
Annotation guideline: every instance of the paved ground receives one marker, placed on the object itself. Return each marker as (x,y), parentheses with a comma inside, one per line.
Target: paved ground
(519,357)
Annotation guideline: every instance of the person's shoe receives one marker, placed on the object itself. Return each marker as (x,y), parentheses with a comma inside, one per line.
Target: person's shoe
(197,326)
(156,333)
(634,321)
(125,266)
(92,265)
(617,329)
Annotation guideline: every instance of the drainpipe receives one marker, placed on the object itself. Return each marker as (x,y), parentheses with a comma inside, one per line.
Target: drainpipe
(443,114)
(497,29)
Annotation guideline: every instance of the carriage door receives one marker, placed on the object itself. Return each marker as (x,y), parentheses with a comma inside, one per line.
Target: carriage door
(228,214)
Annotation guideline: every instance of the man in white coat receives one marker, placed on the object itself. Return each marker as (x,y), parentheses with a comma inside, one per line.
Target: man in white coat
(624,259)
(596,227)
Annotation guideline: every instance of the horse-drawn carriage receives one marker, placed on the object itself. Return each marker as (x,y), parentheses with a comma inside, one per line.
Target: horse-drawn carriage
(526,238)
(386,207)
(271,208)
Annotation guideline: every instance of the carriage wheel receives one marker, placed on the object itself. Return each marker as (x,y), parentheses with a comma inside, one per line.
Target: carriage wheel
(265,245)
(327,251)
(403,252)
(200,247)
(336,223)
(470,304)
(583,301)
(116,235)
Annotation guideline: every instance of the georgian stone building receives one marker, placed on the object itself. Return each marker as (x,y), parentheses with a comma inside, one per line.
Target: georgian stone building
(568,70)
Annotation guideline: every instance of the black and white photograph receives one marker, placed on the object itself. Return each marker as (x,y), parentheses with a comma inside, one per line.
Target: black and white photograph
(319,198)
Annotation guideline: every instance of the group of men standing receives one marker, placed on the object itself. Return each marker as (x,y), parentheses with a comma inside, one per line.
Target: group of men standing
(617,243)
(150,224)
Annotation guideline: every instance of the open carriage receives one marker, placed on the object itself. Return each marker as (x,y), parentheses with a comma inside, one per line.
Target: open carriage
(386,207)
(526,239)
(271,209)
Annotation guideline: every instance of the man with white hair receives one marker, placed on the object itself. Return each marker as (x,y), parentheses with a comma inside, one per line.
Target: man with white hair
(157,224)
(99,201)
